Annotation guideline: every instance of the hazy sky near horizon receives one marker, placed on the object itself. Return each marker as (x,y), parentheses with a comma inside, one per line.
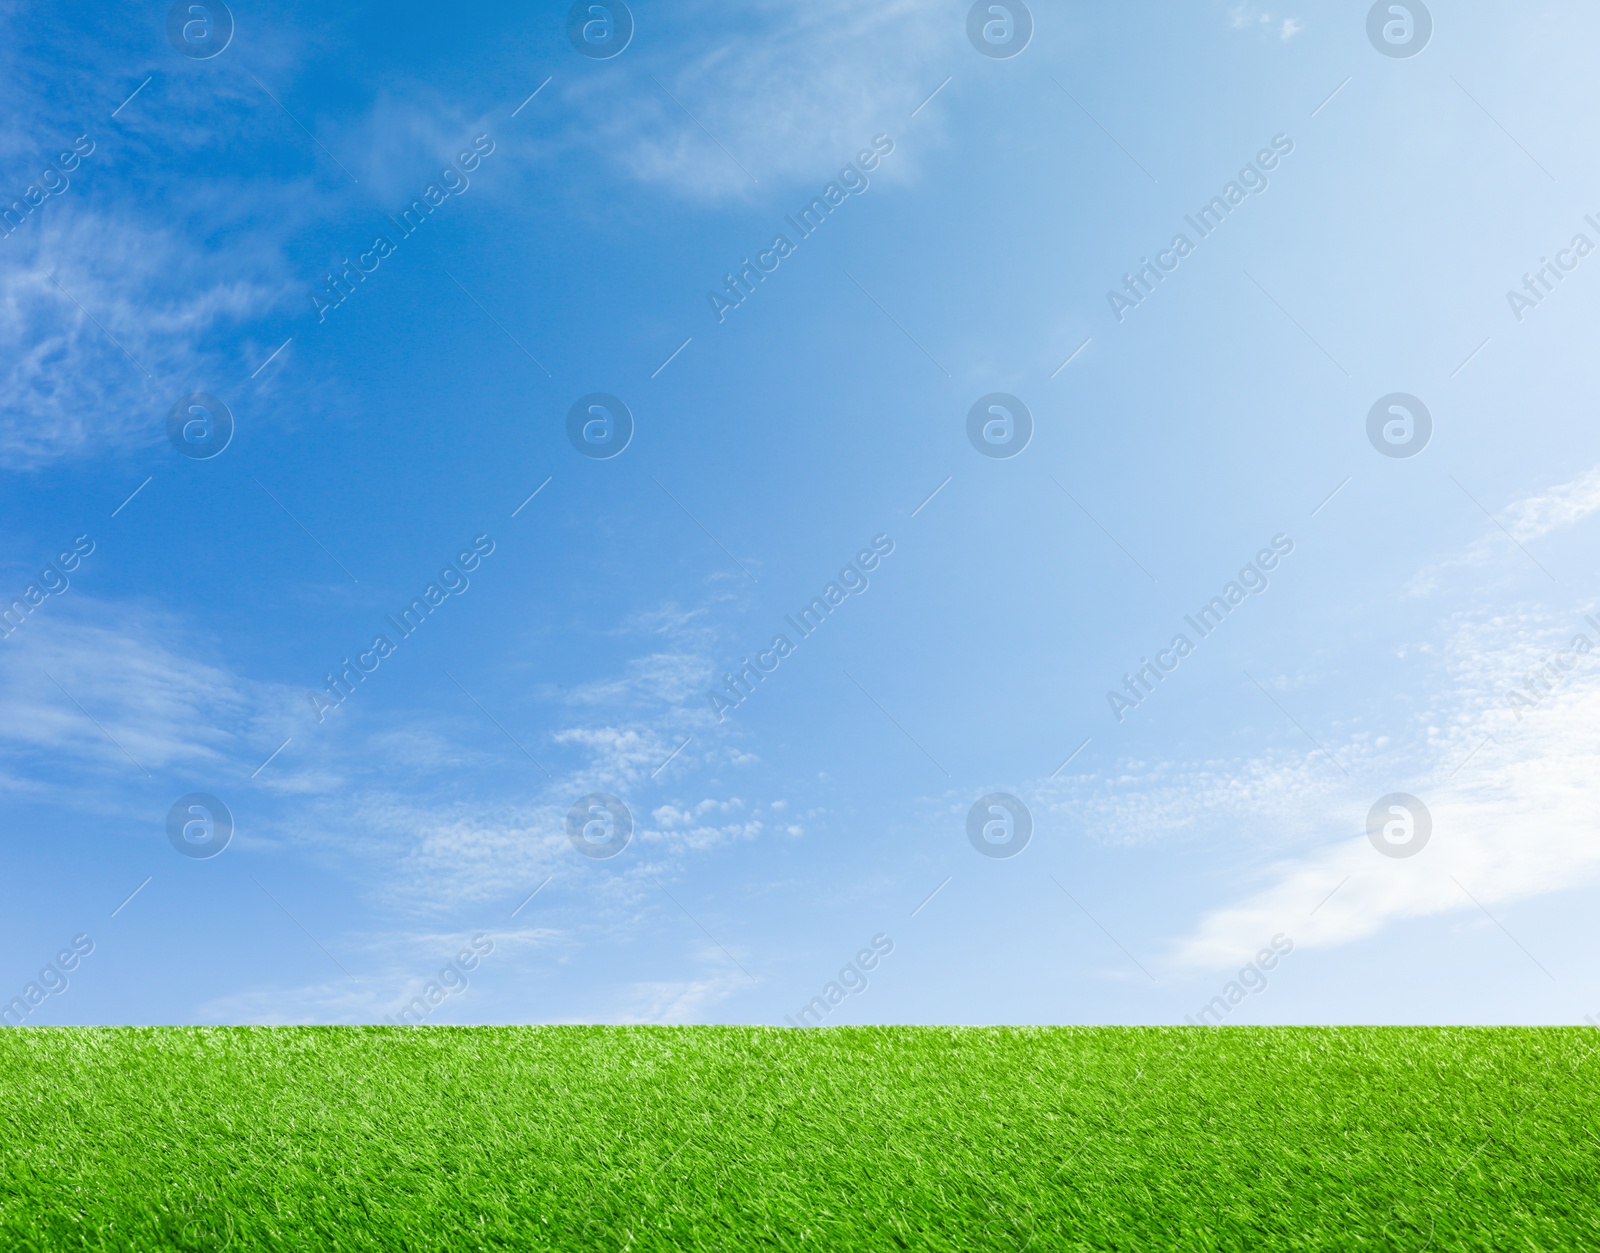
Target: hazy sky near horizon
(820,433)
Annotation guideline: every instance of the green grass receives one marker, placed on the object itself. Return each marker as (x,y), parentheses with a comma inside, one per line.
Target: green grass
(749,1138)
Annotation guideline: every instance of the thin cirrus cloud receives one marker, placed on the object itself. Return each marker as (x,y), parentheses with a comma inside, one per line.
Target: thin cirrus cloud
(683,1001)
(492,990)
(674,673)
(1503,761)
(103,323)
(117,689)
(106,318)
(141,665)
(1519,825)
(397,967)
(772,97)
(121,691)
(1531,518)
(1247,17)
(454,852)
(406,137)
(1263,797)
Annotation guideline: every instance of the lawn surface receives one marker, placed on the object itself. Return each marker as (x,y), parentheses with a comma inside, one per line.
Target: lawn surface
(749,1138)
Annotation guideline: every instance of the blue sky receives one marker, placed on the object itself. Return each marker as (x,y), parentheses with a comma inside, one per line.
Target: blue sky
(1414,634)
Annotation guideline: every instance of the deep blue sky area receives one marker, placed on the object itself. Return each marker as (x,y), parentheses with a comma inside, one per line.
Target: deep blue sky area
(1104,318)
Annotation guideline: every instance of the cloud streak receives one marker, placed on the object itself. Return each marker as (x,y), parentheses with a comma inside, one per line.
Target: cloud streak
(103,325)
(1509,782)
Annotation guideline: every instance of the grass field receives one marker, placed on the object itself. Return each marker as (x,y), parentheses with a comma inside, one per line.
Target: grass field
(748,1138)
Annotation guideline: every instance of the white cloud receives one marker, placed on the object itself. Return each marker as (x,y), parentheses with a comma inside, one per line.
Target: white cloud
(442,854)
(1502,755)
(449,854)
(93,695)
(104,324)
(1248,17)
(660,677)
(687,1001)
(1560,506)
(121,689)
(1510,791)
(790,92)
(1259,798)
(705,825)
(407,135)
(1531,518)
(1518,823)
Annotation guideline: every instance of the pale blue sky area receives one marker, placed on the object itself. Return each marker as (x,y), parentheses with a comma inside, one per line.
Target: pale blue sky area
(708,511)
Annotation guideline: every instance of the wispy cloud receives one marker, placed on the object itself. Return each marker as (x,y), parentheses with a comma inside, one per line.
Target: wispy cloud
(788,91)
(394,967)
(121,690)
(1247,17)
(1500,733)
(1531,518)
(408,133)
(1517,823)
(115,690)
(1509,791)
(1561,506)
(685,1001)
(103,325)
